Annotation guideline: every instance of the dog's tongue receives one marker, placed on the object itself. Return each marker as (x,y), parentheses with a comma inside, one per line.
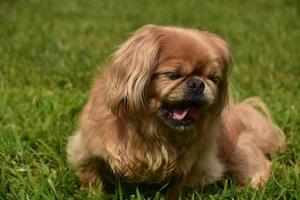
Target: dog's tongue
(181,113)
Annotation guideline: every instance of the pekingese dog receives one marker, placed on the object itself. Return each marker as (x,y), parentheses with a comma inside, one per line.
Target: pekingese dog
(160,113)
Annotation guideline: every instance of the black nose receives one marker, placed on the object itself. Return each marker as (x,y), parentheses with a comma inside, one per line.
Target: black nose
(196,85)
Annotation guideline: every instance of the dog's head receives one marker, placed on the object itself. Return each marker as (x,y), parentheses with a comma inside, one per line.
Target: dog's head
(174,74)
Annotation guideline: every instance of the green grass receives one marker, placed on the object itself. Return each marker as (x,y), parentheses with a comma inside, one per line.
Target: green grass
(51,50)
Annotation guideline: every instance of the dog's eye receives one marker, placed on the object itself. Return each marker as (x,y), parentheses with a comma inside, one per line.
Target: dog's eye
(215,79)
(172,75)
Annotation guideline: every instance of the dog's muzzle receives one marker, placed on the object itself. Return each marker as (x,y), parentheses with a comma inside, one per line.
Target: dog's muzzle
(184,113)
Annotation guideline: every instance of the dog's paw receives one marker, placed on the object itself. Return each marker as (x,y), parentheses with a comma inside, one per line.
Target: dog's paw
(261,177)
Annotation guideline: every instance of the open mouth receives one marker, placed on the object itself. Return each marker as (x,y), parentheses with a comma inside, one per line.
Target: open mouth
(180,115)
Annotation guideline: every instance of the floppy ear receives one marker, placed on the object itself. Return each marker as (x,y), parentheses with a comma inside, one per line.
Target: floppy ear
(131,68)
(223,50)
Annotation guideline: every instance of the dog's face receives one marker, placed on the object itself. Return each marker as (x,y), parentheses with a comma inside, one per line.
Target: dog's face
(176,75)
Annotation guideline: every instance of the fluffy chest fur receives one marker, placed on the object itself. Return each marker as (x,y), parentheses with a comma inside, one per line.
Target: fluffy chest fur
(146,162)
(157,159)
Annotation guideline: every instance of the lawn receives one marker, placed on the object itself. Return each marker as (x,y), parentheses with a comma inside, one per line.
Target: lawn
(51,50)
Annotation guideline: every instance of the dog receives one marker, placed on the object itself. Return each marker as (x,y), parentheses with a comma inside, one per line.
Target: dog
(160,113)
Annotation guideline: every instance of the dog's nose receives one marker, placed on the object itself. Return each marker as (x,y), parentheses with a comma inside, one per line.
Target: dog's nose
(196,85)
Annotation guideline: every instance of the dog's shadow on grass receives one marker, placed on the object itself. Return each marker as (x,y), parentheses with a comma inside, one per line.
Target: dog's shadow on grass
(154,191)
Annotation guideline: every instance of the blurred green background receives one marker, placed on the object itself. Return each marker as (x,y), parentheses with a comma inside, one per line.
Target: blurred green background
(51,50)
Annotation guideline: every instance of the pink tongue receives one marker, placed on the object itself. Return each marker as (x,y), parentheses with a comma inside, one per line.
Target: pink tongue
(180,114)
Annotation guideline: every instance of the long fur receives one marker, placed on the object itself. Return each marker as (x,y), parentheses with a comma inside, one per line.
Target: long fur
(121,137)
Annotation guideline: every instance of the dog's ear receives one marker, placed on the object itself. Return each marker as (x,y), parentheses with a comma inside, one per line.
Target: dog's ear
(131,68)
(223,51)
(222,94)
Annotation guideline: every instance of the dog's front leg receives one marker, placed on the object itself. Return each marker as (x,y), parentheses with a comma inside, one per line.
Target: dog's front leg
(175,191)
(206,170)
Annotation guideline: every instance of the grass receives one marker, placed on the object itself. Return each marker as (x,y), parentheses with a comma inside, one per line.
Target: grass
(52,49)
